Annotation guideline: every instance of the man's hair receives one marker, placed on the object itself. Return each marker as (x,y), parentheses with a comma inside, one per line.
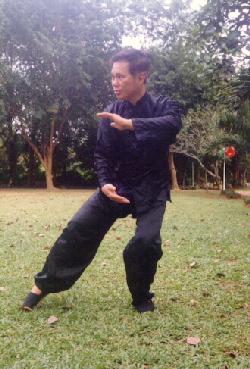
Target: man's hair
(139,61)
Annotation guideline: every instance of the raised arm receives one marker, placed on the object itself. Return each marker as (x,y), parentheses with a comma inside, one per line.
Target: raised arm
(163,126)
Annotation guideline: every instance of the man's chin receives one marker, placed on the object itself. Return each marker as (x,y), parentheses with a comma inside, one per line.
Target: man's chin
(119,96)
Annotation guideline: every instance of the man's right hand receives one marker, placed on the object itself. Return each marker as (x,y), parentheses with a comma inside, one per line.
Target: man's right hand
(110,191)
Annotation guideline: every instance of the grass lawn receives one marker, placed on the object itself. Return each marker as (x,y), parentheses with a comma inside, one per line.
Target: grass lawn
(201,289)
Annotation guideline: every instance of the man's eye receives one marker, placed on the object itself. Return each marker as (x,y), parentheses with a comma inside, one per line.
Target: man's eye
(117,77)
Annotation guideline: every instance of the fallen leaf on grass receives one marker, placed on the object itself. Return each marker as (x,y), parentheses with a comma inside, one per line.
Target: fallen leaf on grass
(193,264)
(220,275)
(193,302)
(232,354)
(205,294)
(3,289)
(52,320)
(67,307)
(194,341)
(47,247)
(174,299)
(167,243)
(225,367)
(231,261)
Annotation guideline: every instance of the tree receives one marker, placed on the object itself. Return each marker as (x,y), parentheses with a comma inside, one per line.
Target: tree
(223,27)
(59,50)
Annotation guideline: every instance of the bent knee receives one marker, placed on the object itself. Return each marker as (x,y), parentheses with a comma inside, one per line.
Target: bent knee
(142,247)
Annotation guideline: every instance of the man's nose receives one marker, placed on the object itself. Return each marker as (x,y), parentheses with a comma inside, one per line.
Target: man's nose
(115,82)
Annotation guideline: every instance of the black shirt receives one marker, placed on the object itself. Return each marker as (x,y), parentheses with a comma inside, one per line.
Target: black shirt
(136,162)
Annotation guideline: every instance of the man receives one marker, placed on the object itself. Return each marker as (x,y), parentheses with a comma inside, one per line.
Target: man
(131,161)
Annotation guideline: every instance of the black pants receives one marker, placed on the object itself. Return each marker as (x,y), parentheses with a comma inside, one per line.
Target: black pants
(77,245)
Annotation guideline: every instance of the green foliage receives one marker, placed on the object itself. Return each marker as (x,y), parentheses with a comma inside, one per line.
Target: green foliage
(236,124)
(54,72)
(241,84)
(201,138)
(161,21)
(223,27)
(179,74)
(55,54)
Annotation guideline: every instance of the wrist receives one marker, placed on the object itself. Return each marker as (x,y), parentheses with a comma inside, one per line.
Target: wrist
(130,126)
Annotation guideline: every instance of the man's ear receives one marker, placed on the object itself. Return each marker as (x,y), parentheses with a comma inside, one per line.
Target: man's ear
(143,76)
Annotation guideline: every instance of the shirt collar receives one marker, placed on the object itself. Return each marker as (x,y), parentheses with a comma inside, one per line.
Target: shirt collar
(139,102)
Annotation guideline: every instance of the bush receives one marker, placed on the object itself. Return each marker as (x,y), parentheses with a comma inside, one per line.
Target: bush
(247,200)
(230,194)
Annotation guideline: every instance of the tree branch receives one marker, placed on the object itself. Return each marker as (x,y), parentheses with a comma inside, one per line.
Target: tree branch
(33,146)
(197,159)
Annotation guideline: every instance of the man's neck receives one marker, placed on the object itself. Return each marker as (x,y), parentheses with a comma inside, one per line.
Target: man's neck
(138,97)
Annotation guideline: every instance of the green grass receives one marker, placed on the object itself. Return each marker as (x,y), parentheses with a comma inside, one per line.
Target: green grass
(206,249)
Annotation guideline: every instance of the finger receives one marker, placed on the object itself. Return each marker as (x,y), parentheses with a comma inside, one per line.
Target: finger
(104,114)
(120,199)
(111,188)
(114,125)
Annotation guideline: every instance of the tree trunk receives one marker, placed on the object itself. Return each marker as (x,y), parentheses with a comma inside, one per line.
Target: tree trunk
(48,165)
(47,157)
(49,180)
(198,171)
(12,152)
(206,184)
(184,177)
(236,174)
(12,159)
(174,182)
(216,184)
(31,167)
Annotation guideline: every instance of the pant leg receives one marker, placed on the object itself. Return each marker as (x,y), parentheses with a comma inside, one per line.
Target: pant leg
(77,245)
(143,252)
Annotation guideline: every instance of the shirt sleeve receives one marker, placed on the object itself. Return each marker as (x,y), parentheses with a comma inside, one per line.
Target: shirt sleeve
(163,126)
(104,156)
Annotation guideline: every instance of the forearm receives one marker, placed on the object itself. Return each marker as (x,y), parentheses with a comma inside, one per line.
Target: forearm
(104,169)
(162,128)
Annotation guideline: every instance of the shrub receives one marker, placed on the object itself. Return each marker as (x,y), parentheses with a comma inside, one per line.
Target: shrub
(230,194)
(247,200)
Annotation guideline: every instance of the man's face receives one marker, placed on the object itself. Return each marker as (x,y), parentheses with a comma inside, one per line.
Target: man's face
(125,85)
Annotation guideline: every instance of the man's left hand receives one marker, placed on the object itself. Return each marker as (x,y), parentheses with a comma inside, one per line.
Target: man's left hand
(117,121)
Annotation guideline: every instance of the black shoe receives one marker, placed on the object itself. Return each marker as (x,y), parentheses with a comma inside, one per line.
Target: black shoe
(32,299)
(145,306)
